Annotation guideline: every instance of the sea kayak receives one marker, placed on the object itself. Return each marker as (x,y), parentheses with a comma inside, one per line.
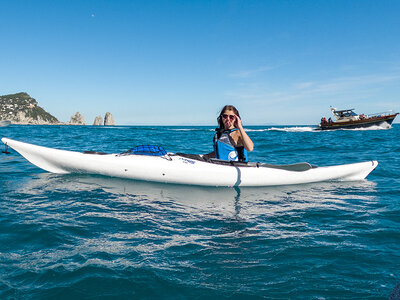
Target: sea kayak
(185,168)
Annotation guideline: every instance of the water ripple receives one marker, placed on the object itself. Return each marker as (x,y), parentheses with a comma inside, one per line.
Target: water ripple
(70,236)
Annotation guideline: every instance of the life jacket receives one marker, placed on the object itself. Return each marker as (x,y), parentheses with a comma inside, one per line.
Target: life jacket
(224,148)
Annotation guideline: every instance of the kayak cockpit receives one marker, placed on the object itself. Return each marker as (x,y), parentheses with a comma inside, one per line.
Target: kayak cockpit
(298,167)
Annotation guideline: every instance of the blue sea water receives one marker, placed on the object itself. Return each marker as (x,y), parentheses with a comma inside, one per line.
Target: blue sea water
(93,237)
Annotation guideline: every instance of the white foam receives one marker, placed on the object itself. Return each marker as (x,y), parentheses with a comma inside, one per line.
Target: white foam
(293,129)
(383,126)
(256,130)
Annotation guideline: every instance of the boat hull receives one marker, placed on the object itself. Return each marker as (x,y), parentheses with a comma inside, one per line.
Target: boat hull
(177,169)
(375,121)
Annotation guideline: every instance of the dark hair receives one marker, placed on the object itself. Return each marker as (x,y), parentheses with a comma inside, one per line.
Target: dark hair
(221,127)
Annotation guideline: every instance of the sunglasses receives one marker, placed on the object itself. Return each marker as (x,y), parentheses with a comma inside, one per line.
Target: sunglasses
(231,117)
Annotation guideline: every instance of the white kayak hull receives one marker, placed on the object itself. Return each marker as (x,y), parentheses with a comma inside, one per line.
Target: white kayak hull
(181,170)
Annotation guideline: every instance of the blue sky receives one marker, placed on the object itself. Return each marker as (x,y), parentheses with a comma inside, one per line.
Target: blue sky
(179,62)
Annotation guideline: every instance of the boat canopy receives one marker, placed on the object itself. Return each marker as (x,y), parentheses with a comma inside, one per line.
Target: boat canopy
(345,113)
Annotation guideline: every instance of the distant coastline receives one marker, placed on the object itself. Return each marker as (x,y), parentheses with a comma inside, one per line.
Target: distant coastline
(22,109)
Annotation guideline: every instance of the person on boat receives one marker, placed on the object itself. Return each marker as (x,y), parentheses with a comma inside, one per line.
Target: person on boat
(231,141)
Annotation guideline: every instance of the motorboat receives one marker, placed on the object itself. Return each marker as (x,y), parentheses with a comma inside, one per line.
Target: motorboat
(348,119)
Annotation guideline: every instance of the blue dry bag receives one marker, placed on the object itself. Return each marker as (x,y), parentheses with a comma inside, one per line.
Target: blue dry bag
(150,150)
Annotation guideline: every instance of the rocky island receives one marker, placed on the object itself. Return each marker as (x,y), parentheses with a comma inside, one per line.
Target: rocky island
(77,119)
(109,119)
(21,108)
(98,121)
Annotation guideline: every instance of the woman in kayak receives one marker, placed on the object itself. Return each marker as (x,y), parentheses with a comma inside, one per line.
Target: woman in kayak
(231,141)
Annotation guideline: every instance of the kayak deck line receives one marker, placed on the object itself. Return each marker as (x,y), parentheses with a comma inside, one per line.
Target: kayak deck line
(188,169)
(94,152)
(298,167)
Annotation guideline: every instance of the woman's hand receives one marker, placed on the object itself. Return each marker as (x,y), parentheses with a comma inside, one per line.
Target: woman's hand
(238,123)
(245,139)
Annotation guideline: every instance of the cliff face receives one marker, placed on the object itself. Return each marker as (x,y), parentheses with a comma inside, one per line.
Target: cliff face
(98,121)
(109,119)
(77,119)
(23,109)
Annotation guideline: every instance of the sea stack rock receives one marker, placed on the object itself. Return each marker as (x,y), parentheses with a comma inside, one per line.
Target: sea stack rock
(77,119)
(98,121)
(109,120)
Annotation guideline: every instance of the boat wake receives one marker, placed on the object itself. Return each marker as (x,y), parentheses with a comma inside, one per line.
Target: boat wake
(293,129)
(383,126)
